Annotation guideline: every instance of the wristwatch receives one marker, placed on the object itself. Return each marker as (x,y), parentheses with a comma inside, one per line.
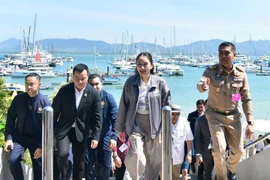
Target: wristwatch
(250,123)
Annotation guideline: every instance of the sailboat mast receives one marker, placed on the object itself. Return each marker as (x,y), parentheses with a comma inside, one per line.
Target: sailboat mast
(34,34)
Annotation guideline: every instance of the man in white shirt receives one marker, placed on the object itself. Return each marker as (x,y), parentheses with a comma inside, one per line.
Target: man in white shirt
(259,146)
(181,132)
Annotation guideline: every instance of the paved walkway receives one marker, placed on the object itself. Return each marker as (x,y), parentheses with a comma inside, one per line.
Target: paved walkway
(191,177)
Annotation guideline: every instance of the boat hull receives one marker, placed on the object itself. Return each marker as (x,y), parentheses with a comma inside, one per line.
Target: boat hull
(22,74)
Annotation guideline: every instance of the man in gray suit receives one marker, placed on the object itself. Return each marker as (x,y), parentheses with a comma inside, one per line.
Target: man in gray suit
(203,146)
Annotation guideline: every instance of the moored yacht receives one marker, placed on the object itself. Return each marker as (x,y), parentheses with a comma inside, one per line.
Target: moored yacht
(42,71)
(69,59)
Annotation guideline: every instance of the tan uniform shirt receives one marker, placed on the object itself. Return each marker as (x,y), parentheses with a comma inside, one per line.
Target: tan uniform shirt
(224,85)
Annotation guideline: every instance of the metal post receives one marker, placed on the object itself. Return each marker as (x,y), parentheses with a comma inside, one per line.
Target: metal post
(47,143)
(247,153)
(166,143)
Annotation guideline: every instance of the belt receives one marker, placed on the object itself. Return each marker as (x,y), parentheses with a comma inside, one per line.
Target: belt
(225,112)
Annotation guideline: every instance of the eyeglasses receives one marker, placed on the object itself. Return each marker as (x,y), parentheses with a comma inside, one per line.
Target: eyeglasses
(142,65)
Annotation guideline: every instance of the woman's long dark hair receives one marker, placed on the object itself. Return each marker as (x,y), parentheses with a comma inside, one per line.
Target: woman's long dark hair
(149,56)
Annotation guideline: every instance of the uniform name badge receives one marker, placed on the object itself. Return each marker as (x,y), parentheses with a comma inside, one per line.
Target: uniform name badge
(236,96)
(123,147)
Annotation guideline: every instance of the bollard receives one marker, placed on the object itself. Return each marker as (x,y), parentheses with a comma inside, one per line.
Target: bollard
(166,143)
(47,143)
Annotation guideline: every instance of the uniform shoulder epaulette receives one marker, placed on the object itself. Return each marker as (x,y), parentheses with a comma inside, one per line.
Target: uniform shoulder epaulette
(239,68)
(213,67)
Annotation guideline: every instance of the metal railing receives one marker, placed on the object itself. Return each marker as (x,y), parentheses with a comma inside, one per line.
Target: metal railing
(47,143)
(166,143)
(254,143)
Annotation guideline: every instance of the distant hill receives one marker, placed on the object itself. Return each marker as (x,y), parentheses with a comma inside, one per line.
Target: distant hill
(254,48)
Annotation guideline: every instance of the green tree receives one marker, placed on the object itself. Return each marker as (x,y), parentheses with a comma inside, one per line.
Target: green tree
(4,105)
(4,100)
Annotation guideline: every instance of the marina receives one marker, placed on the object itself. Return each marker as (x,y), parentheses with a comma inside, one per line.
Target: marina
(183,38)
(183,88)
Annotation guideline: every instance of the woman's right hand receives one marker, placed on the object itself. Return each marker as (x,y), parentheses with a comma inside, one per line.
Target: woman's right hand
(117,161)
(121,136)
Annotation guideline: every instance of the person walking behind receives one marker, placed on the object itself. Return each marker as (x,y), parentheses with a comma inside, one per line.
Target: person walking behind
(24,128)
(181,133)
(203,146)
(140,114)
(108,136)
(118,158)
(259,146)
(227,85)
(192,118)
(77,116)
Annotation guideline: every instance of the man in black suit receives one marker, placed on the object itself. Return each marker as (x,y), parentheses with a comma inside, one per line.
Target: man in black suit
(203,146)
(24,127)
(78,117)
(192,117)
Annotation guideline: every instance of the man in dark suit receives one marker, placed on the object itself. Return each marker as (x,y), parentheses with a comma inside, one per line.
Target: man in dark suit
(24,127)
(192,117)
(203,146)
(78,117)
(108,137)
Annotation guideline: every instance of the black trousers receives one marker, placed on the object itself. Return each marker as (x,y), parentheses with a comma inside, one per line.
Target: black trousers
(208,162)
(119,172)
(16,156)
(78,151)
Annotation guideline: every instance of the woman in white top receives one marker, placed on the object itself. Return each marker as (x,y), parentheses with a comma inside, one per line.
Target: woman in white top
(140,113)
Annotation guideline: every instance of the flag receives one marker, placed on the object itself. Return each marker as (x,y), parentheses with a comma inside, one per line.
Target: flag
(38,57)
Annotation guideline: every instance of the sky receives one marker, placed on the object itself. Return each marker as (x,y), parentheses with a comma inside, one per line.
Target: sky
(166,22)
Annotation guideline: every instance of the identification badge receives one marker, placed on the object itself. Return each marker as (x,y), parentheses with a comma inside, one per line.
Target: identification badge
(123,147)
(236,97)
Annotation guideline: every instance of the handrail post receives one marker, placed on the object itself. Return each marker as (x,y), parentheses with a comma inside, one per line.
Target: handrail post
(47,143)
(166,143)
(247,152)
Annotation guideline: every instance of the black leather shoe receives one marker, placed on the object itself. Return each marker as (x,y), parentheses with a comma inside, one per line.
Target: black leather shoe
(231,176)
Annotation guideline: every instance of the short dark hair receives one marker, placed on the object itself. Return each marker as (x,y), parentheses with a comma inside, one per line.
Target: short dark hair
(80,68)
(149,56)
(200,101)
(33,75)
(93,76)
(227,44)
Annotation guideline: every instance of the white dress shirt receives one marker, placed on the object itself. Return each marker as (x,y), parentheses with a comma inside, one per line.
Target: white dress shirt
(143,106)
(78,97)
(180,133)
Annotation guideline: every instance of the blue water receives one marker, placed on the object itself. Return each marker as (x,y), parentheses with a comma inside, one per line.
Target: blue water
(183,89)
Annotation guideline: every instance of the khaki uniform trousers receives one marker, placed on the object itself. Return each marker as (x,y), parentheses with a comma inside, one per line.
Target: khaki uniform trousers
(175,172)
(143,159)
(225,126)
